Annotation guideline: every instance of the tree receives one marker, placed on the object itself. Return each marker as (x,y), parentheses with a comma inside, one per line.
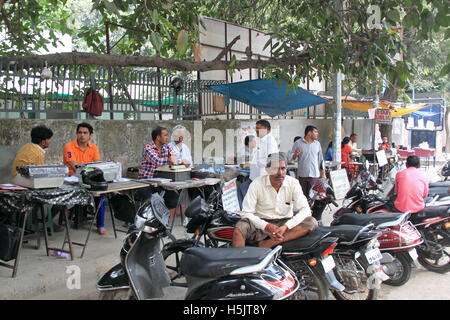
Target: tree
(313,38)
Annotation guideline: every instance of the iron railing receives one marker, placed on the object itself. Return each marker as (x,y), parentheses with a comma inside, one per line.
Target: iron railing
(128,93)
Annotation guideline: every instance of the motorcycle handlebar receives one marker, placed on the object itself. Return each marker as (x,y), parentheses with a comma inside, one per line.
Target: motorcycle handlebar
(334,203)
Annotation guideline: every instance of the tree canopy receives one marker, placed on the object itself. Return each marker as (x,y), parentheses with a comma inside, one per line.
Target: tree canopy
(361,38)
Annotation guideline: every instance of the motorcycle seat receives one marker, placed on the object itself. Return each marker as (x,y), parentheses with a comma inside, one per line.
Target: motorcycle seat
(440,184)
(430,212)
(345,232)
(378,219)
(306,242)
(218,262)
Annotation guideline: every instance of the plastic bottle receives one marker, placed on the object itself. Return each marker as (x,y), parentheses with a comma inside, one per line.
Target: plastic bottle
(59,254)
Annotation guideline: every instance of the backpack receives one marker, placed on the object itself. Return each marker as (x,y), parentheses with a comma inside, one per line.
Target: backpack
(93,102)
(123,207)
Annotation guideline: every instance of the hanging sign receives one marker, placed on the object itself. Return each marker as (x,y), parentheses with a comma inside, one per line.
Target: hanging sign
(383,116)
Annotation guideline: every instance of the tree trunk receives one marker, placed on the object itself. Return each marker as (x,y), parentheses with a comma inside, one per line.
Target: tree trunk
(81,58)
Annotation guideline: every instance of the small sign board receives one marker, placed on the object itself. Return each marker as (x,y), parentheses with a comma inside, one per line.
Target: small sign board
(339,181)
(383,116)
(381,158)
(229,196)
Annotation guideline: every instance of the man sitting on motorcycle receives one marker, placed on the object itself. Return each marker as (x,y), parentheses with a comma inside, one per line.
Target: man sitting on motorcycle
(411,187)
(268,217)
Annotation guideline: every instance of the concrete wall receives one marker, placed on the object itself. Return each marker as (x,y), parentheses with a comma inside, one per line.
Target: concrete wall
(122,140)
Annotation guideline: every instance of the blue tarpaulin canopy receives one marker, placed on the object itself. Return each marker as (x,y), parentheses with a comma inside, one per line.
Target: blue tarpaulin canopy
(270,96)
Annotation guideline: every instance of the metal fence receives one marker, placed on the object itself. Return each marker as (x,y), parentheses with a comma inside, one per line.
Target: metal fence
(128,93)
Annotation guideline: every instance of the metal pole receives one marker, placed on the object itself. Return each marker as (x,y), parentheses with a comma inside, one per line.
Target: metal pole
(376,102)
(337,122)
(108,51)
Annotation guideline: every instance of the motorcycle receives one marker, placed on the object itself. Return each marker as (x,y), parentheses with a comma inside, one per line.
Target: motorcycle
(432,223)
(398,237)
(357,255)
(310,256)
(223,273)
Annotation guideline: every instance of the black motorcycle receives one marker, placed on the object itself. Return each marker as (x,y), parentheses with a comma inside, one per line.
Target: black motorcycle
(309,256)
(219,273)
(358,259)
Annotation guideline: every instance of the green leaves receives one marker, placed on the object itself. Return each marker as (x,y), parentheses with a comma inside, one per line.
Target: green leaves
(156,41)
(182,41)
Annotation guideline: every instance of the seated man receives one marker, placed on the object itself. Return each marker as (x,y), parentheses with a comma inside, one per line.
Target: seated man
(411,187)
(268,210)
(385,145)
(33,153)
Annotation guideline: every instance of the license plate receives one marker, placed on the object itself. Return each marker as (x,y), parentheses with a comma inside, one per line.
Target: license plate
(413,253)
(373,255)
(328,264)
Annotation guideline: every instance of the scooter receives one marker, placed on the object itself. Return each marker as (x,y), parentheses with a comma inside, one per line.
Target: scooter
(222,273)
(310,256)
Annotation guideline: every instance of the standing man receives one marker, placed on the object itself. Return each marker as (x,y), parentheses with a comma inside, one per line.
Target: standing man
(265,145)
(33,153)
(82,150)
(268,217)
(183,154)
(156,153)
(309,154)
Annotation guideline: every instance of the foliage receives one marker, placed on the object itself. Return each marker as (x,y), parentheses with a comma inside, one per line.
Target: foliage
(359,37)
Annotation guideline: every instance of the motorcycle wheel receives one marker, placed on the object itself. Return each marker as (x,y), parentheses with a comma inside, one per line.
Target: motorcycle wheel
(312,285)
(403,265)
(172,260)
(435,254)
(367,294)
(122,294)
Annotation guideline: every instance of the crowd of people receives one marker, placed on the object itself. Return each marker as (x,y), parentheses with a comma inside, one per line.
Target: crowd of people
(274,205)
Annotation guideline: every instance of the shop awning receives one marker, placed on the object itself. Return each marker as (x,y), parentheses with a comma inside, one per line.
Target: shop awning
(397,109)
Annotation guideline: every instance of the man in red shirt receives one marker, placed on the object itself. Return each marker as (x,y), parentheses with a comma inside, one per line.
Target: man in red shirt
(411,187)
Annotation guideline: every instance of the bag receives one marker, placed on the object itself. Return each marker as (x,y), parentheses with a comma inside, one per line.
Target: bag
(123,207)
(9,241)
(93,102)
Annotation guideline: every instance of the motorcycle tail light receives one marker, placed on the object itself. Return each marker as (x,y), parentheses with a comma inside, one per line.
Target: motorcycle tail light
(329,250)
(312,262)
(447,225)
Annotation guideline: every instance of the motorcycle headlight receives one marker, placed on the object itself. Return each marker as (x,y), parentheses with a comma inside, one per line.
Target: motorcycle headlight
(144,214)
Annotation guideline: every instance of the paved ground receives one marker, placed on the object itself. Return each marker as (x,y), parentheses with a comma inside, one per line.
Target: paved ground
(42,277)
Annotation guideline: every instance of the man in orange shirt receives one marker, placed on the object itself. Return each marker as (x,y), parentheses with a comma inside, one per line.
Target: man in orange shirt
(79,151)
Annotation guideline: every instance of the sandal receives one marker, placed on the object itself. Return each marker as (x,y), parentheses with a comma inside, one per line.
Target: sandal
(102,231)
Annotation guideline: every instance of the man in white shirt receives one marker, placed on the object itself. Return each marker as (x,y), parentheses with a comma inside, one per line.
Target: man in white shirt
(183,154)
(268,217)
(265,145)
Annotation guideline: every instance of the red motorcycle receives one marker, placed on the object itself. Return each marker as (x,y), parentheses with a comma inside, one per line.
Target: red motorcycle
(398,236)
(433,223)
